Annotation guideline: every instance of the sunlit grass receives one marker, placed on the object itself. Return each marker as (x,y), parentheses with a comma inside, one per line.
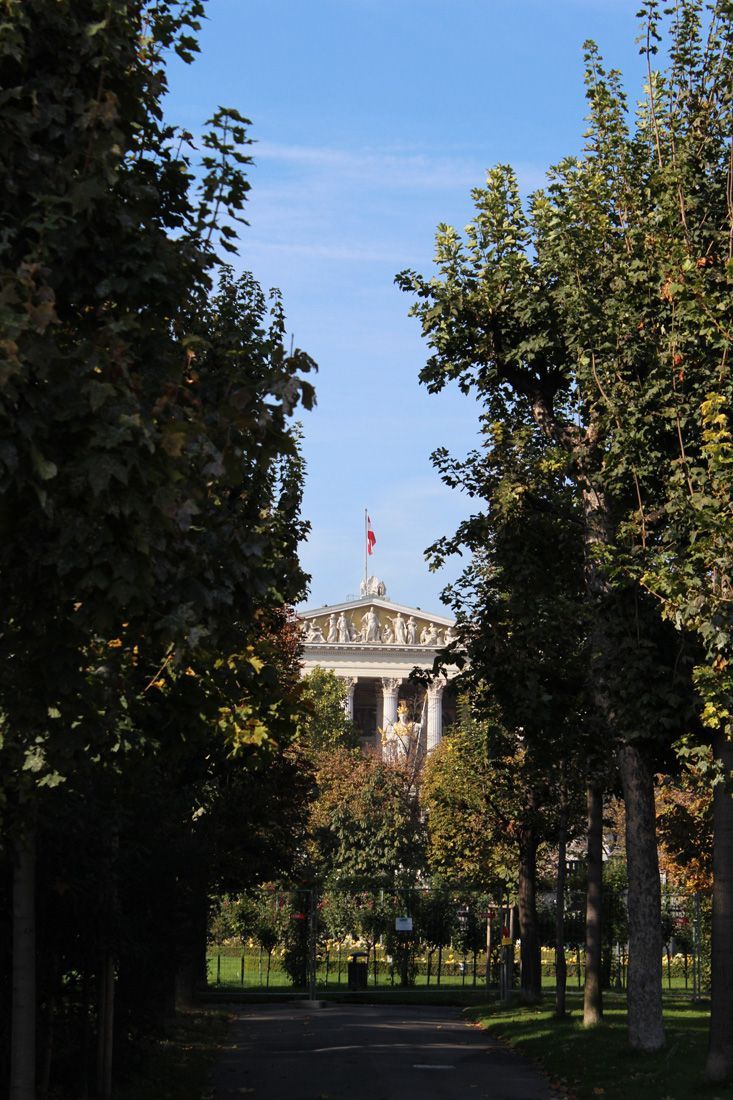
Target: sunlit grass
(597,1061)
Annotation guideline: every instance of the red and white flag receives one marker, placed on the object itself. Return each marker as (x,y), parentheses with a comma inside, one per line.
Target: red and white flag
(370,536)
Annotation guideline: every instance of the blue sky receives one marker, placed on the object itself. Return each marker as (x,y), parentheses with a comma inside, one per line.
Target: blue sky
(372,121)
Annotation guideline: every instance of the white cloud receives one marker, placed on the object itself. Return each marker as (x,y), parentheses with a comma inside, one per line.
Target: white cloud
(340,253)
(314,205)
(388,168)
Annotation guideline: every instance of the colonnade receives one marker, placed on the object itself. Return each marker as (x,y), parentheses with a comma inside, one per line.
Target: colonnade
(387,701)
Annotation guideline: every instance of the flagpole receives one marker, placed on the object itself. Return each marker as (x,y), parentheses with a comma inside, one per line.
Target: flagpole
(366,541)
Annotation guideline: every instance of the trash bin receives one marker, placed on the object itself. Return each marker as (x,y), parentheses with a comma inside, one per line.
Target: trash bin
(357,970)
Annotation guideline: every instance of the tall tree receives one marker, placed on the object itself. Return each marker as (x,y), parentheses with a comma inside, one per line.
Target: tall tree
(123,413)
(518,313)
(522,622)
(681,532)
(643,225)
(490,806)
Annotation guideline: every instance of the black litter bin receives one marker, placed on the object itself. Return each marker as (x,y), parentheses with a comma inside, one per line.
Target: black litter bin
(357,971)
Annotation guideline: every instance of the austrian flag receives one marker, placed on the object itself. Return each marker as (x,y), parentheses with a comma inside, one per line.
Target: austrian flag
(370,536)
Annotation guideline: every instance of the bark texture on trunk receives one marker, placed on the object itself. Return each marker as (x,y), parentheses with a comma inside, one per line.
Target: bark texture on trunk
(105,1033)
(592,992)
(488,948)
(646,1027)
(23,1004)
(531,983)
(561,968)
(48,968)
(191,971)
(719,1065)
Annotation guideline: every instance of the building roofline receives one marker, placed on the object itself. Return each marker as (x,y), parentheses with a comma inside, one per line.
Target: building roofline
(375,601)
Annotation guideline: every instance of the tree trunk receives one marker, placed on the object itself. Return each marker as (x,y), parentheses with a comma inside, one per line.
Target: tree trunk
(105,1025)
(561,968)
(644,994)
(592,995)
(192,970)
(185,985)
(531,980)
(23,1006)
(86,1033)
(719,1065)
(44,1060)
(488,946)
(598,532)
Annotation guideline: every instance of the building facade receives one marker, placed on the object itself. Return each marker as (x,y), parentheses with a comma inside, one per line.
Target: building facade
(373,644)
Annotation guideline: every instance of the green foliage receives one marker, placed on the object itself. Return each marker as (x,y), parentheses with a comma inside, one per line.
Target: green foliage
(264,916)
(296,941)
(325,725)
(482,791)
(150,489)
(520,601)
(599,315)
(141,423)
(436,916)
(553,315)
(685,826)
(365,822)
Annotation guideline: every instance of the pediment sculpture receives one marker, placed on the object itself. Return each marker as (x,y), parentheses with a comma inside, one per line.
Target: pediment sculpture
(369,625)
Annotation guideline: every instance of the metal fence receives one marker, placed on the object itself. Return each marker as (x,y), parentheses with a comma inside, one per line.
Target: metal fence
(440,938)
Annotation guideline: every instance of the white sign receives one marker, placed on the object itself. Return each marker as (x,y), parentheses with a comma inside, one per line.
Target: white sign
(403,924)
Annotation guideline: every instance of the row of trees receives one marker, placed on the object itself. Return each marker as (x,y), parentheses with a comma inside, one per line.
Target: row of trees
(593,324)
(150,487)
(456,932)
(482,823)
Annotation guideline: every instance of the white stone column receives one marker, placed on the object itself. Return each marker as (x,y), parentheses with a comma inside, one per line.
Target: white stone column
(390,692)
(435,714)
(349,683)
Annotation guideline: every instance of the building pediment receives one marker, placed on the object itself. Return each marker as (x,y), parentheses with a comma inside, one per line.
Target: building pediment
(375,621)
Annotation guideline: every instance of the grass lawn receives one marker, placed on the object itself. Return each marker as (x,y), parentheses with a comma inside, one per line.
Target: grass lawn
(596,1062)
(176,1065)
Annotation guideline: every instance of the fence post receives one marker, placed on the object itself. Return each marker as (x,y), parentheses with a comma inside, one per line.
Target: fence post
(506,973)
(618,965)
(218,969)
(489,915)
(696,952)
(312,949)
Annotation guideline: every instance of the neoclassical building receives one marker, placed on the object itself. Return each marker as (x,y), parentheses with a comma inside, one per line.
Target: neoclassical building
(374,644)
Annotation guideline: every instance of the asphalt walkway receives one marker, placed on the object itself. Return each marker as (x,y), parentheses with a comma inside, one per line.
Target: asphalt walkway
(367,1052)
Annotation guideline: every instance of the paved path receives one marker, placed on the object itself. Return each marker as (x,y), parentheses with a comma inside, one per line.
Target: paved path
(366,1052)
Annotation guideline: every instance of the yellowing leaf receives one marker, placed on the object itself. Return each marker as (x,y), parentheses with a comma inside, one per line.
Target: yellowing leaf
(173,443)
